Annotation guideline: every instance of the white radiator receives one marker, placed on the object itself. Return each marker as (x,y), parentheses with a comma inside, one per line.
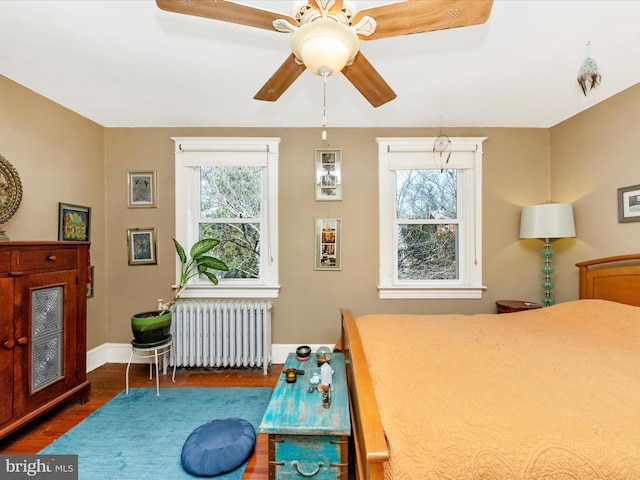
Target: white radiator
(222,334)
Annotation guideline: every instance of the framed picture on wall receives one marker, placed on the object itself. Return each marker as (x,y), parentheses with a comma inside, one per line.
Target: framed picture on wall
(74,222)
(328,244)
(141,245)
(328,174)
(629,204)
(142,189)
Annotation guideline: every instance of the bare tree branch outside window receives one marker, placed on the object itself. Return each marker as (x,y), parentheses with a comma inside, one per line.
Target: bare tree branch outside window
(426,212)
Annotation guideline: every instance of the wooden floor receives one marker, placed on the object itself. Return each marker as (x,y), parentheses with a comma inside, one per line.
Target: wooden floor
(109,380)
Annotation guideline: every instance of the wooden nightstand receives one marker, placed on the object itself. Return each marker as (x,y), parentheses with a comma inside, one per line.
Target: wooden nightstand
(305,439)
(510,306)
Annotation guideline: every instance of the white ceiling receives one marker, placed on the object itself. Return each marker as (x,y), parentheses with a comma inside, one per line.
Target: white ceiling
(125,63)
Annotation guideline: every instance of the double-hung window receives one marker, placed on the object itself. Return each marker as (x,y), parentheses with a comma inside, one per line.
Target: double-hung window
(430,218)
(227,188)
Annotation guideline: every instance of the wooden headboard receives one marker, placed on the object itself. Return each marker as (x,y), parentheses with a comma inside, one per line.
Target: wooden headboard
(611,278)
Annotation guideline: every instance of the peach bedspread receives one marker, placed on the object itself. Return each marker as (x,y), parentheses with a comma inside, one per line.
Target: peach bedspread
(543,394)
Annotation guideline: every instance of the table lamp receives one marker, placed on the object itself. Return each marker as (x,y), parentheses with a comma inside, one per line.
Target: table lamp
(551,220)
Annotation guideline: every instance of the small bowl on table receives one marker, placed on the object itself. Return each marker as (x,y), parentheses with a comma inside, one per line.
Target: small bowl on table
(303,353)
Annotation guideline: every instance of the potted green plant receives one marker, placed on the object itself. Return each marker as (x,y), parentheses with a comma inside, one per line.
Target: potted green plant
(153,327)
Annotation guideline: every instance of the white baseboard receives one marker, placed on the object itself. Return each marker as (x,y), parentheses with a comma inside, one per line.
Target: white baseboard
(120,353)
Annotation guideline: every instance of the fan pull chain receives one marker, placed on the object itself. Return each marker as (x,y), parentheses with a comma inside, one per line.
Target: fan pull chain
(325,74)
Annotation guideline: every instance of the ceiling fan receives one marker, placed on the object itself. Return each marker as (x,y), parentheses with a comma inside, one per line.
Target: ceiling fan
(326,34)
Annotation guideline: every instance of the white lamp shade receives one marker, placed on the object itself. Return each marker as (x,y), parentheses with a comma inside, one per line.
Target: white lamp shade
(325,43)
(551,220)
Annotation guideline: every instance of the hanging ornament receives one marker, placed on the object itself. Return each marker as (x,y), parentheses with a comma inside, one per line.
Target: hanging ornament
(442,145)
(589,76)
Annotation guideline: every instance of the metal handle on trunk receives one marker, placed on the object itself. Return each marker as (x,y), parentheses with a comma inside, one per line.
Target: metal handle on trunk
(311,474)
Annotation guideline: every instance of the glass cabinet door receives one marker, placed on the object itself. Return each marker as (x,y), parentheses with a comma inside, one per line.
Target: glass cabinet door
(47,338)
(45,328)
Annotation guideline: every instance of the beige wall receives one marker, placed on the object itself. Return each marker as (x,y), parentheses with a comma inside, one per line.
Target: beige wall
(64,157)
(593,154)
(515,174)
(59,156)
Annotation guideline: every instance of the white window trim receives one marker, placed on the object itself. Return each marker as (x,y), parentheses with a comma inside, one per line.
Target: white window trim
(469,285)
(186,232)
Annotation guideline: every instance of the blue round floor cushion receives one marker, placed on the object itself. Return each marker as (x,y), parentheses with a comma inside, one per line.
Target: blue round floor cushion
(217,447)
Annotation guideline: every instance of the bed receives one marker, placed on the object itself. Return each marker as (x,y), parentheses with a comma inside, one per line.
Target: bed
(552,393)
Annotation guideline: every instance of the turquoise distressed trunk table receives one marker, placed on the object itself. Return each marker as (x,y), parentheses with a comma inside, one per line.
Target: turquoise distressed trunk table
(307,440)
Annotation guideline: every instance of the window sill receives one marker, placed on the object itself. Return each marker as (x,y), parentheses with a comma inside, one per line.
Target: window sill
(398,292)
(222,291)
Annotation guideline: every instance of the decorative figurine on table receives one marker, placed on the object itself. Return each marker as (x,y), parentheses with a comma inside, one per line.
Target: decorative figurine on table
(322,379)
(323,355)
(326,397)
(326,376)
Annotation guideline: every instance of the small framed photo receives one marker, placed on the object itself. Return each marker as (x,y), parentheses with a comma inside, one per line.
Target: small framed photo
(74,222)
(142,189)
(328,245)
(328,174)
(629,204)
(141,244)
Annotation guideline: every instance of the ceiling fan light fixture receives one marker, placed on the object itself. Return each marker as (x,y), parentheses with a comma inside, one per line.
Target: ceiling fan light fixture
(325,44)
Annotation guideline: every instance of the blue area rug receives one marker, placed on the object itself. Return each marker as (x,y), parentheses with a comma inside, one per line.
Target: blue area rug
(140,435)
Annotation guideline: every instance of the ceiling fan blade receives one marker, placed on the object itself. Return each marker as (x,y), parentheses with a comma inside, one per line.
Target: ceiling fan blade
(368,81)
(417,16)
(336,7)
(225,11)
(288,72)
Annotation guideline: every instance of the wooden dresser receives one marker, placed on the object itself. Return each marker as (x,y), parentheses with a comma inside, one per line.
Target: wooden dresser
(306,439)
(43,303)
